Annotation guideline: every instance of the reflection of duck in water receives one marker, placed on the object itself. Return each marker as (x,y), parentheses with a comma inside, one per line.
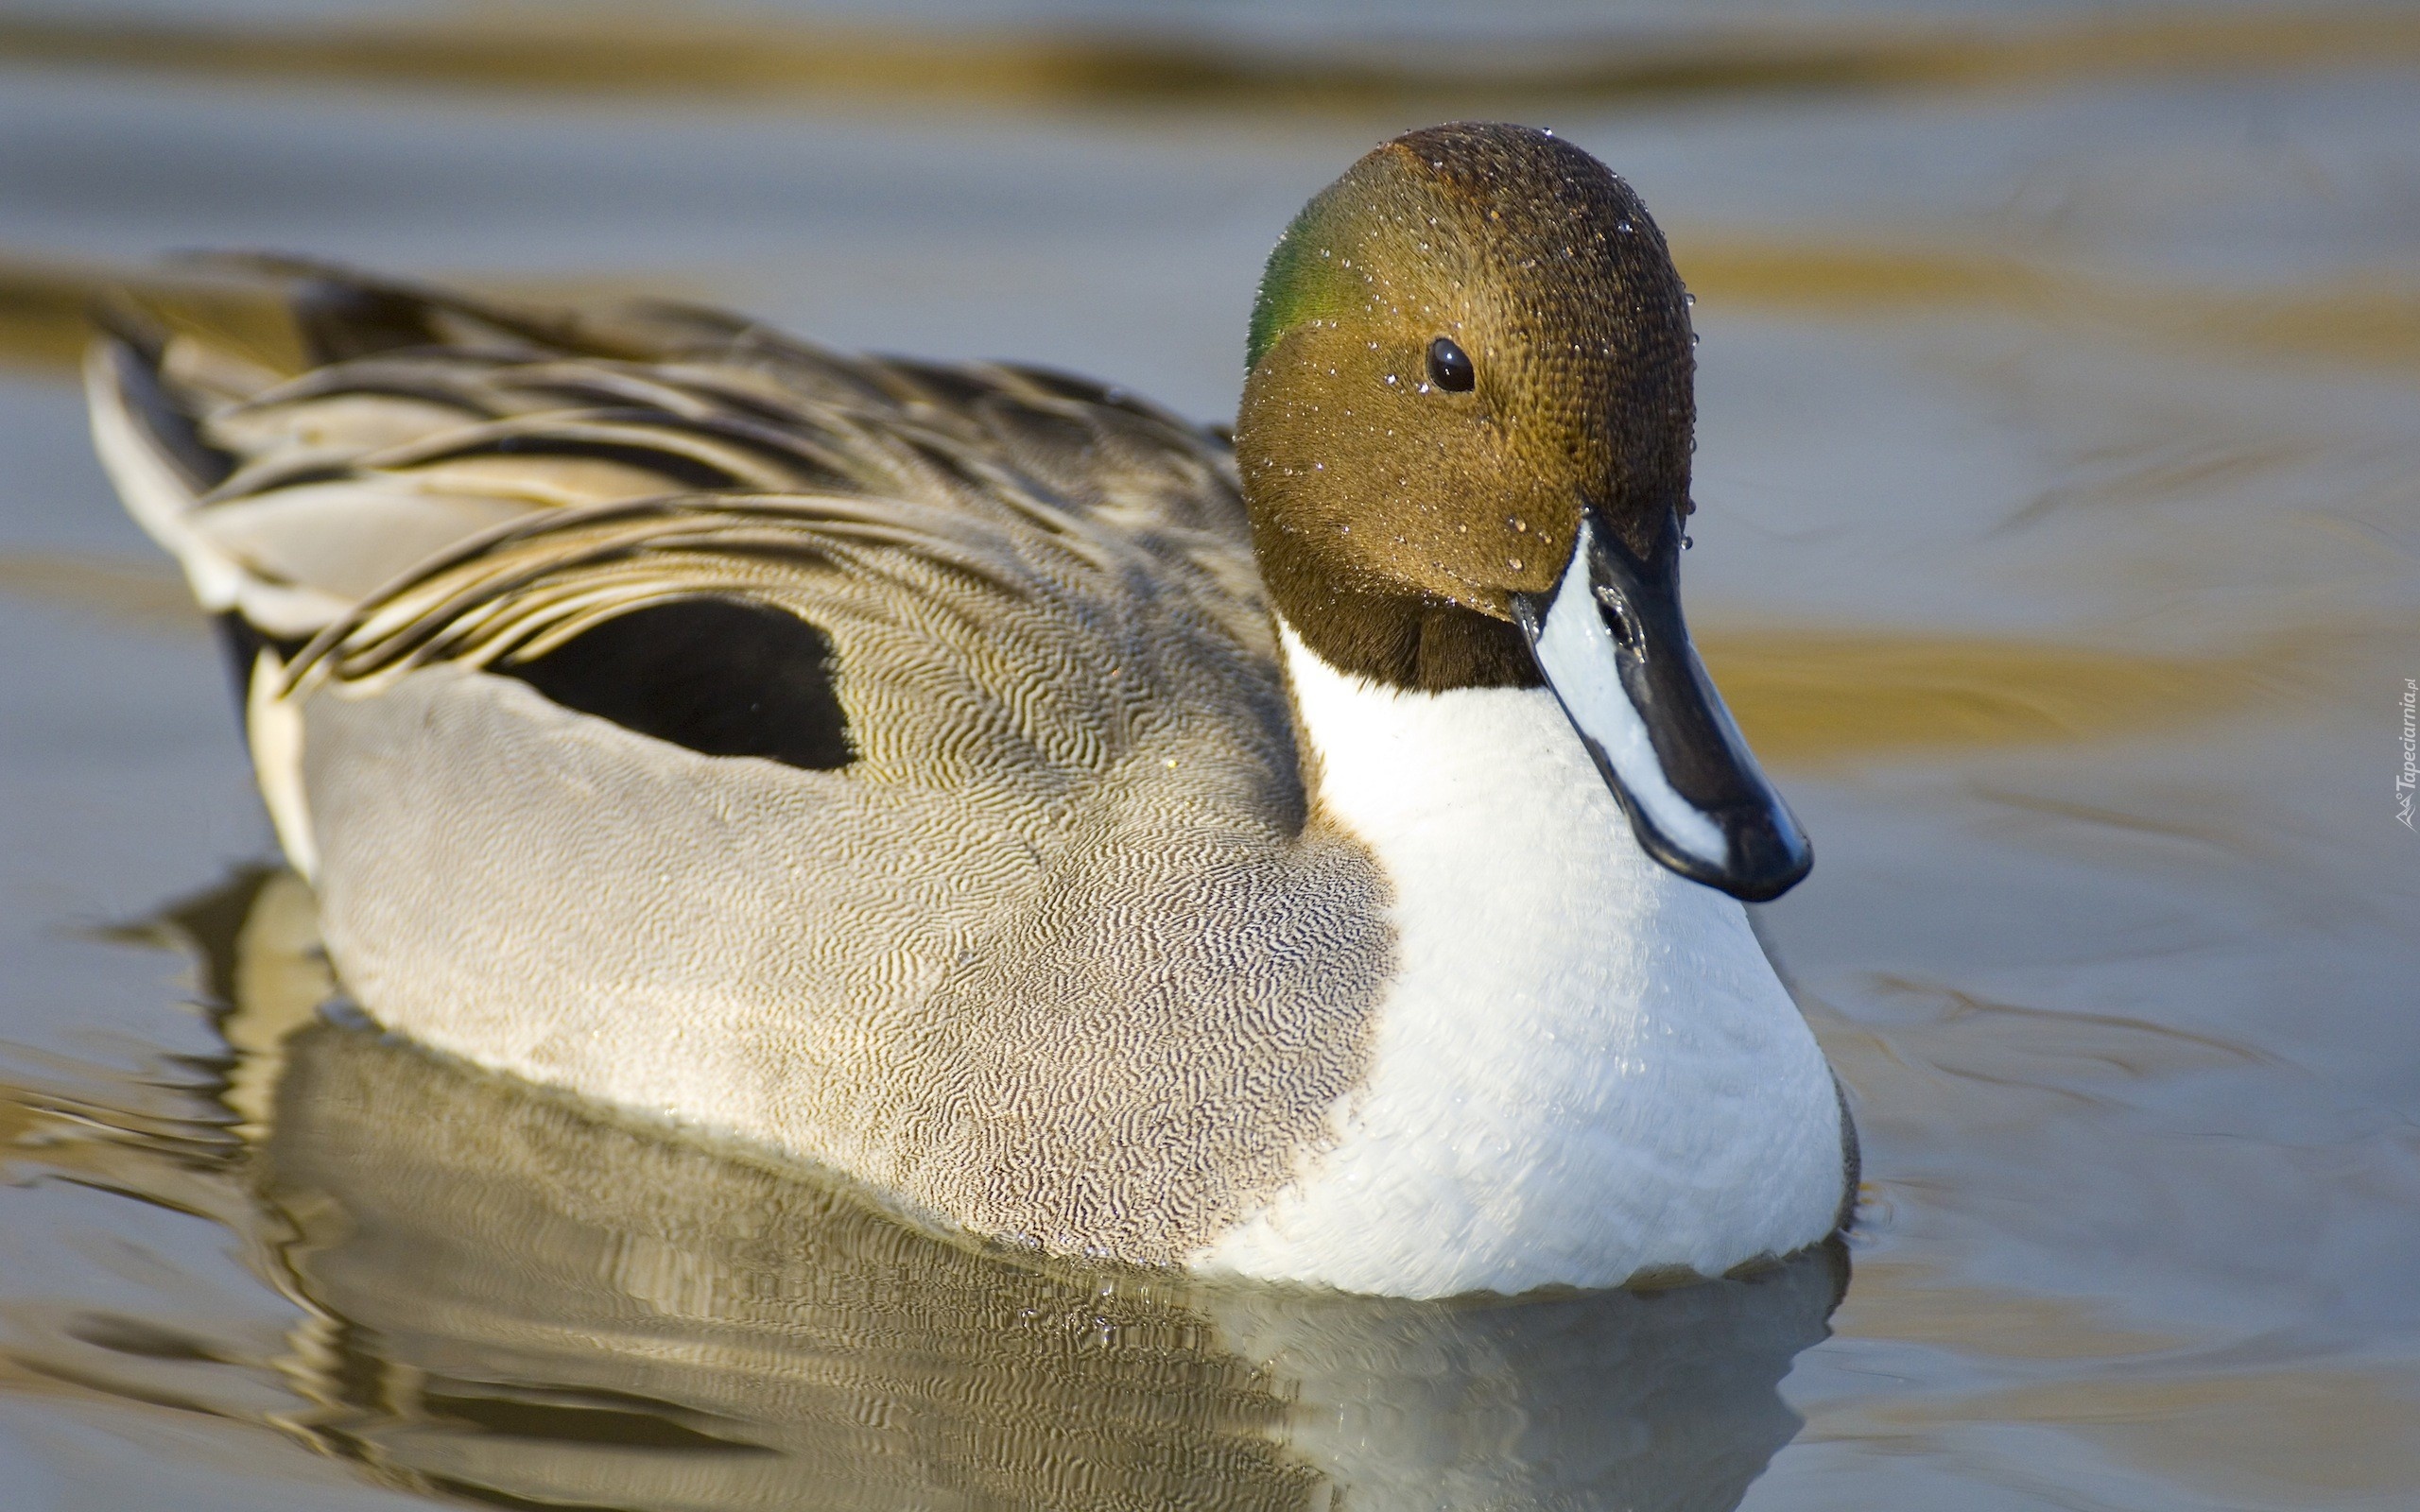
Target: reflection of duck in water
(512,1299)
(958,777)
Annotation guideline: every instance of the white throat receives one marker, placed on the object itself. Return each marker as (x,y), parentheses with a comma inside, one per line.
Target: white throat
(1585,1067)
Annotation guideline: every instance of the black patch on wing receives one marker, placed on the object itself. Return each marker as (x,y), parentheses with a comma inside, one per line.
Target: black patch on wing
(721,676)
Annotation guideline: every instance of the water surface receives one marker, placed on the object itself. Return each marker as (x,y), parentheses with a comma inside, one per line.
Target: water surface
(2060,487)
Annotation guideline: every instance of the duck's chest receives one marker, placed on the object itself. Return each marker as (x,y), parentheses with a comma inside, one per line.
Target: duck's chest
(1585,1066)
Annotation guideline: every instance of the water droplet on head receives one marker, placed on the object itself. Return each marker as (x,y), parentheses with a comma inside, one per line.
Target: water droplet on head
(1624,227)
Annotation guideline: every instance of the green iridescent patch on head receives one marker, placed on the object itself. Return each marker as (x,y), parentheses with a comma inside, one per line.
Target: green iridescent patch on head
(1302,281)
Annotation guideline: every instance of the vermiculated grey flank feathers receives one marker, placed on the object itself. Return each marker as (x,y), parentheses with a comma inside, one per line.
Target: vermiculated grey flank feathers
(1062,895)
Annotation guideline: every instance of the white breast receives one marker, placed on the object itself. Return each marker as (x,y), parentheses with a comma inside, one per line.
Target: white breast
(1585,1067)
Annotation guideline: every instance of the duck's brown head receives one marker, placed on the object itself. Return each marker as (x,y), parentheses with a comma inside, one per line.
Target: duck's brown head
(1466,431)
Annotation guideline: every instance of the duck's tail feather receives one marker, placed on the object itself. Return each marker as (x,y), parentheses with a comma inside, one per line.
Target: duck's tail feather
(150,441)
(277,529)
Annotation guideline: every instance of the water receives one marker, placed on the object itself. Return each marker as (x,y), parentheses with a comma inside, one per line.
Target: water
(2060,487)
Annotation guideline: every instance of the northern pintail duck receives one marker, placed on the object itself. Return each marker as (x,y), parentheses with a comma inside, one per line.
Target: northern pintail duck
(1315,858)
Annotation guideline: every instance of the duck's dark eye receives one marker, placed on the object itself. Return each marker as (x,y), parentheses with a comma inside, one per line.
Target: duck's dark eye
(1449,366)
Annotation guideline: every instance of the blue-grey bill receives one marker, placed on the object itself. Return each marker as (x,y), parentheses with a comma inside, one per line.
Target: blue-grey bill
(1612,645)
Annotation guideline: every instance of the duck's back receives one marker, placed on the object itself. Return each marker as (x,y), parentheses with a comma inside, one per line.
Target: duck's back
(884,762)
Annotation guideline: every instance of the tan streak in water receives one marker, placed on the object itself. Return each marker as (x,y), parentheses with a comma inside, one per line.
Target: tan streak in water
(1896,1300)
(2302,1435)
(1814,699)
(131,592)
(630,53)
(2364,320)
(46,312)
(46,306)
(41,316)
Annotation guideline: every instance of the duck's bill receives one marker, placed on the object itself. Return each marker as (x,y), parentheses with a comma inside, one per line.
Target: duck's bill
(1611,642)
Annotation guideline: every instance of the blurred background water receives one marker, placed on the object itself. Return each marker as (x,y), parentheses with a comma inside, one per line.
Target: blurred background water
(2060,491)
